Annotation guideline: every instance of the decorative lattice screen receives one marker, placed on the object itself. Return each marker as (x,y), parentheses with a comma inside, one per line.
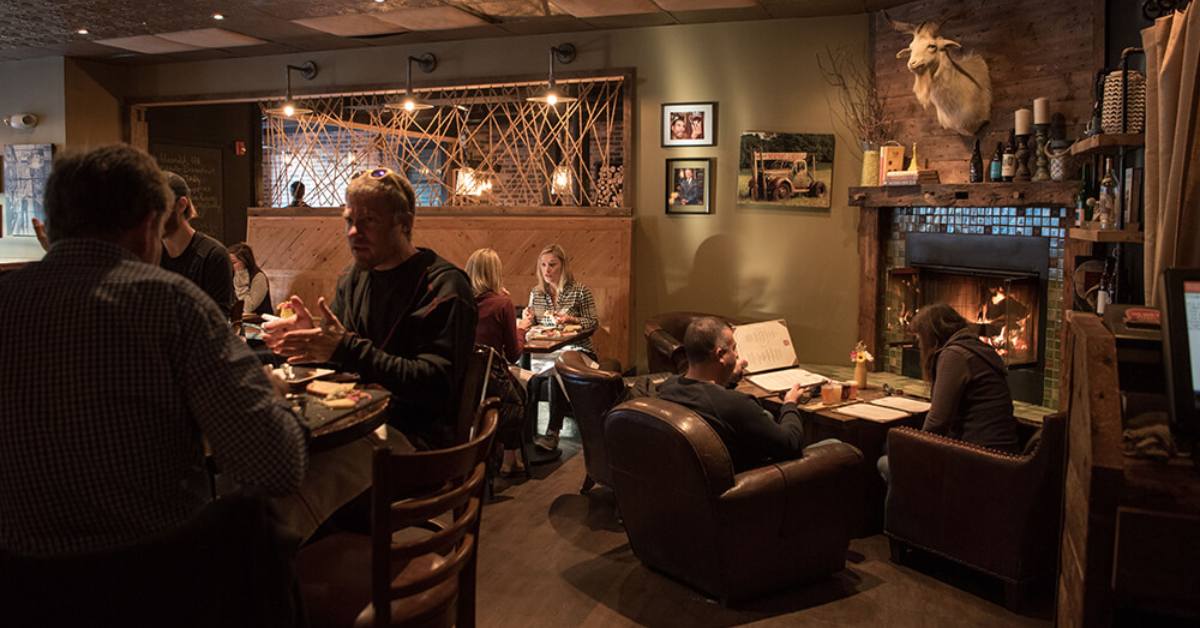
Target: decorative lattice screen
(479,145)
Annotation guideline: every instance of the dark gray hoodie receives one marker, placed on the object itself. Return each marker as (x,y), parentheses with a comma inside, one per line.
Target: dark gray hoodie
(970,396)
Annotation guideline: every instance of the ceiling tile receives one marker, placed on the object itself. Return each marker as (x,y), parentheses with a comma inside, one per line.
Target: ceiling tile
(147,44)
(431,19)
(602,8)
(546,25)
(350,25)
(509,8)
(704,5)
(661,18)
(212,38)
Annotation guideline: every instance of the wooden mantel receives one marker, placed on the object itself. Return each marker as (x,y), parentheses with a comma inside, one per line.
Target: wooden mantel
(1031,194)
(871,199)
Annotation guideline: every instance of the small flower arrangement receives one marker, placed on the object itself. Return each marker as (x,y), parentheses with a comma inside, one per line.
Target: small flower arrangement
(860,353)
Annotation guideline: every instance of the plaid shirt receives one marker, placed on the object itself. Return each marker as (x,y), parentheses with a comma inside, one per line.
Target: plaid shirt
(576,300)
(111,370)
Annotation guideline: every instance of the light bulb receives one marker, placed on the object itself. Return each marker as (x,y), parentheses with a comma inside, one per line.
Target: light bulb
(289,110)
(409,105)
(551,99)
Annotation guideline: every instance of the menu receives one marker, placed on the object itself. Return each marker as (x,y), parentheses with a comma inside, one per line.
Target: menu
(765,346)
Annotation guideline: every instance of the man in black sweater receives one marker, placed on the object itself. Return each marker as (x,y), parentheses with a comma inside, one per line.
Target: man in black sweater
(752,436)
(402,317)
(193,254)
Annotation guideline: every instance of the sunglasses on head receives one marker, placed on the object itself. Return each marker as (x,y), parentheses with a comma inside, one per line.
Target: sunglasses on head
(377,173)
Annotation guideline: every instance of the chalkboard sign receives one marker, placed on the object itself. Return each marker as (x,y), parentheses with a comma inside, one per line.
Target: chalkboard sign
(201,167)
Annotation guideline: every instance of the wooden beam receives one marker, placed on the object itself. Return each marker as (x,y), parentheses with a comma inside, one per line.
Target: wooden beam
(1040,194)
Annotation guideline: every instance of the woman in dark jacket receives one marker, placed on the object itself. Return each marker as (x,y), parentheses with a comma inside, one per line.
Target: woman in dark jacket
(969,391)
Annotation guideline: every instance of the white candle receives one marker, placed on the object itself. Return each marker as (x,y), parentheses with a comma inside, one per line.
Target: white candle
(1024,116)
(1041,110)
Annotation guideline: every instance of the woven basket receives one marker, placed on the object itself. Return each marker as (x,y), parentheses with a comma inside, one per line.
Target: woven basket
(1111,120)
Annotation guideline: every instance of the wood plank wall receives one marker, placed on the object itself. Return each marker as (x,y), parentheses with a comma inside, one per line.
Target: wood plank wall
(1032,47)
(304,253)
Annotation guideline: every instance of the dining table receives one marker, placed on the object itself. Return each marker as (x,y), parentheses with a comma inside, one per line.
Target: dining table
(539,345)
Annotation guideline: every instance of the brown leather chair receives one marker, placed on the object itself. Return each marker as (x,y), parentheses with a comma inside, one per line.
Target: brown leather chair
(992,511)
(592,392)
(664,340)
(422,579)
(732,536)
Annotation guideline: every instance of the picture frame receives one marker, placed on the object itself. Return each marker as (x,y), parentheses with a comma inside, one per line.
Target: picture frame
(690,185)
(26,169)
(689,124)
(779,170)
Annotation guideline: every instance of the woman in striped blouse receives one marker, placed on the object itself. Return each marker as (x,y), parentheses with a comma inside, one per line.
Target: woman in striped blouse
(557,300)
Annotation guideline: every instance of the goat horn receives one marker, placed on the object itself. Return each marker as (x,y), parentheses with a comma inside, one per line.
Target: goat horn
(903,27)
(953,15)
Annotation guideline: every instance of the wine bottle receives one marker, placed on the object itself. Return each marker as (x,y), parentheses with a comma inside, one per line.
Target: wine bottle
(1107,281)
(995,174)
(976,169)
(1008,165)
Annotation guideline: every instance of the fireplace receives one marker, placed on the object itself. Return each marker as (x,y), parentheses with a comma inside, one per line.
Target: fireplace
(997,283)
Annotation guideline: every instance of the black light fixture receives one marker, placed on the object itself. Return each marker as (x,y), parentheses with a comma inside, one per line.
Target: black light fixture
(564,53)
(289,108)
(428,63)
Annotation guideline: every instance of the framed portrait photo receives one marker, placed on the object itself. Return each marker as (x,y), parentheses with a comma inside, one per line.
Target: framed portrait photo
(689,124)
(690,186)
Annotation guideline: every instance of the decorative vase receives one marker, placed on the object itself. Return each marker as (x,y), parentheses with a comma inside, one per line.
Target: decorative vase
(870,166)
(860,374)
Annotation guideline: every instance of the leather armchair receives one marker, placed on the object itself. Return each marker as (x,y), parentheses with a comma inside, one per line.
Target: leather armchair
(664,340)
(592,393)
(732,536)
(995,512)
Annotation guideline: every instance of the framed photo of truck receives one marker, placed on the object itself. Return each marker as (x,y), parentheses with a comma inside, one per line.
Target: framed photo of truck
(689,124)
(785,170)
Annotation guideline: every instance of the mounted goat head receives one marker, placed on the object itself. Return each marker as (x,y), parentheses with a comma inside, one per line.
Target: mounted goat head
(958,88)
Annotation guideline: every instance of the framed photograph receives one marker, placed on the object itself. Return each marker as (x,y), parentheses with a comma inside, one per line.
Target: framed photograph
(785,170)
(690,186)
(26,168)
(689,124)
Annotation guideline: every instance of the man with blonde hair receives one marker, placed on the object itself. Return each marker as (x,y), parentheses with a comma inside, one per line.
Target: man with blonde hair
(402,317)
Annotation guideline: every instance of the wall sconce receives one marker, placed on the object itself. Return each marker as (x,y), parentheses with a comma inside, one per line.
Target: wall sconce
(469,182)
(428,63)
(289,107)
(565,53)
(561,181)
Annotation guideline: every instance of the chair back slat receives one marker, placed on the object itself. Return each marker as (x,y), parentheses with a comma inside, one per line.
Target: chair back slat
(474,388)
(411,512)
(456,477)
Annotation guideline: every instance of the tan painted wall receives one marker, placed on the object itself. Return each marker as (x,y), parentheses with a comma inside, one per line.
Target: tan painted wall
(93,110)
(748,263)
(34,86)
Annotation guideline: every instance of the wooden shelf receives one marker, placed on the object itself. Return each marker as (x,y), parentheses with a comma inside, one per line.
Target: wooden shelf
(1107,143)
(1106,235)
(1027,194)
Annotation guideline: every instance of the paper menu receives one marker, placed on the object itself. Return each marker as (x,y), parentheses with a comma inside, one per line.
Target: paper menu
(872,412)
(765,346)
(776,381)
(903,403)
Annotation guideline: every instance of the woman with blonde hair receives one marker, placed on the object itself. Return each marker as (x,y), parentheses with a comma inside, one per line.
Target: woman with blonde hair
(497,328)
(558,300)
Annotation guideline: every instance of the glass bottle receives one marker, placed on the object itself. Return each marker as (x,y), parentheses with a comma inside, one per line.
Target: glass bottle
(1008,165)
(976,168)
(995,174)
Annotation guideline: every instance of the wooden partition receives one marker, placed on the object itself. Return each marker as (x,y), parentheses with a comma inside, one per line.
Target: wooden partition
(303,251)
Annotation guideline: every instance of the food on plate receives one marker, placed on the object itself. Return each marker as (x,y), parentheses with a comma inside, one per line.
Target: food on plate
(328,389)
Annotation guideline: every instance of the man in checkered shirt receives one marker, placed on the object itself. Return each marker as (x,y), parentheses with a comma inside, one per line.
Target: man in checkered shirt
(113,370)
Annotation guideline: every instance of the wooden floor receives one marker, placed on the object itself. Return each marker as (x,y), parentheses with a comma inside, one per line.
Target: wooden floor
(552,557)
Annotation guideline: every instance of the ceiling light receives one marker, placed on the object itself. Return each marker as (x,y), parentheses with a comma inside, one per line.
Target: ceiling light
(565,53)
(82,31)
(560,181)
(409,103)
(218,16)
(378,1)
(289,108)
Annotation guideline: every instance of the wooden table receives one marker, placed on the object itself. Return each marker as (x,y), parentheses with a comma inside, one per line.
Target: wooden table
(360,422)
(870,437)
(542,346)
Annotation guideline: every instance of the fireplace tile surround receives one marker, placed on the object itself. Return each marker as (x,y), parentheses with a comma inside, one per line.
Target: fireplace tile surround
(1045,222)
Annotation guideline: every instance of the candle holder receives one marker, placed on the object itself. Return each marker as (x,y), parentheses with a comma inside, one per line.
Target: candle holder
(1042,173)
(1022,173)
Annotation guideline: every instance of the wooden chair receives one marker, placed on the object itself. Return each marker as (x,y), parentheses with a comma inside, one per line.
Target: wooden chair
(474,389)
(423,576)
